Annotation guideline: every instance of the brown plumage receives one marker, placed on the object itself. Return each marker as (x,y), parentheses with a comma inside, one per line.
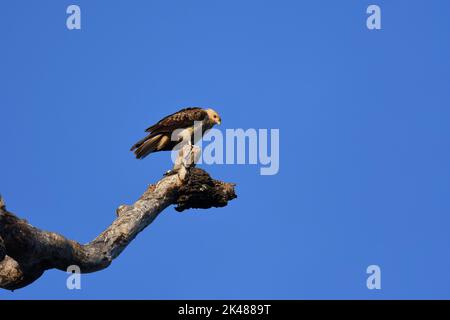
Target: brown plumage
(160,138)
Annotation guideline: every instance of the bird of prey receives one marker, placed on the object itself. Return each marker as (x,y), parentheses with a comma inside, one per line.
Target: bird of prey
(181,124)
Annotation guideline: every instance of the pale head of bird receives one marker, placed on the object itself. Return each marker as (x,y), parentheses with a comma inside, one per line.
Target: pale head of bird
(213,116)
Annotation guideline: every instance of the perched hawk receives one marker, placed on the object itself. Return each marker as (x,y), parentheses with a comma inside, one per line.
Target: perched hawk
(160,138)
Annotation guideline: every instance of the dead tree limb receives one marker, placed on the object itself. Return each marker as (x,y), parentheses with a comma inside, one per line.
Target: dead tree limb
(26,252)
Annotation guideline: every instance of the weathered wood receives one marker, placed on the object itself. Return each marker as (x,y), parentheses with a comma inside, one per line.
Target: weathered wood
(26,252)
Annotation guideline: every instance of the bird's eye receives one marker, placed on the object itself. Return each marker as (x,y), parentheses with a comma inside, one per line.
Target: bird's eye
(215,116)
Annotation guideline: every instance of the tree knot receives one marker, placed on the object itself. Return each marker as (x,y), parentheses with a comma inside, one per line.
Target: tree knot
(200,191)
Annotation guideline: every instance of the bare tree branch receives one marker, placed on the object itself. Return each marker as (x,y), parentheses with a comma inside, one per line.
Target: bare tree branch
(27,252)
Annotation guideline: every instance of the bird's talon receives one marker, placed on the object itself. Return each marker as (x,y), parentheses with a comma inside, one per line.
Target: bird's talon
(169,173)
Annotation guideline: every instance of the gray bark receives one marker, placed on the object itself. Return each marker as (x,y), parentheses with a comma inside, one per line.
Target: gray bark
(26,252)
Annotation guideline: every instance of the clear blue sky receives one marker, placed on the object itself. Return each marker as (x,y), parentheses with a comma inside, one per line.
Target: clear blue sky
(364,119)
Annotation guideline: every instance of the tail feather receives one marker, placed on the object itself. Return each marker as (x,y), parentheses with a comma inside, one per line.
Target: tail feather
(139,143)
(148,145)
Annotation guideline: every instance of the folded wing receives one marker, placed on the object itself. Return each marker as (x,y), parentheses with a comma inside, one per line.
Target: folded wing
(159,134)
